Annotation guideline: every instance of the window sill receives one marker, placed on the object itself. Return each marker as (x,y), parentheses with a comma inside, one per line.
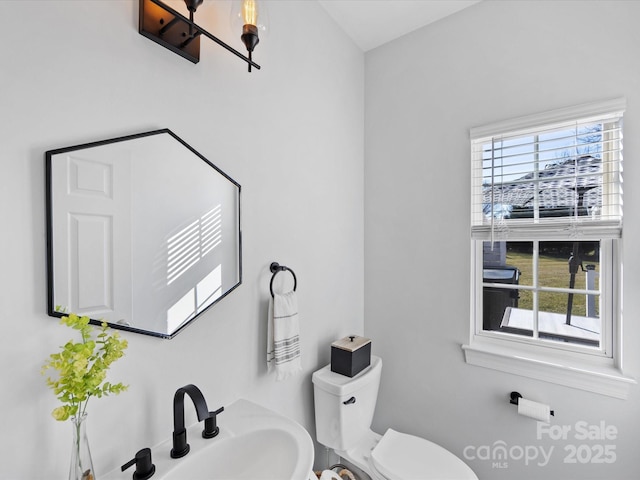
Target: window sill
(604,378)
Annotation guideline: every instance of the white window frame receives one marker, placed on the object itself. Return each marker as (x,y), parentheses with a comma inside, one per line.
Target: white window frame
(593,369)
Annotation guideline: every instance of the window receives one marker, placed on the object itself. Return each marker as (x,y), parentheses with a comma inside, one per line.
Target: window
(549,291)
(546,225)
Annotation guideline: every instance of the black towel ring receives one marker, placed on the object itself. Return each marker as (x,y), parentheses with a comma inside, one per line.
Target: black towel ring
(275,267)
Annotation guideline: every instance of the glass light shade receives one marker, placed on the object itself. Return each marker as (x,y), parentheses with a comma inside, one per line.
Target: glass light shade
(250,12)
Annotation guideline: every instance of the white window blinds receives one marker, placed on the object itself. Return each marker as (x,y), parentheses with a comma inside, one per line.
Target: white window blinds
(554,175)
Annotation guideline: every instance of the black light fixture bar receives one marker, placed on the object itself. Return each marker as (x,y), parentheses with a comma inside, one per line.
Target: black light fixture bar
(174,31)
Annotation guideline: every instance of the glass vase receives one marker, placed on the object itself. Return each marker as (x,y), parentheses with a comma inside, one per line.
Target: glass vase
(81,463)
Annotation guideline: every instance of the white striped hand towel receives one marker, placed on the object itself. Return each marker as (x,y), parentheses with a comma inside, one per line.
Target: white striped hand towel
(283,336)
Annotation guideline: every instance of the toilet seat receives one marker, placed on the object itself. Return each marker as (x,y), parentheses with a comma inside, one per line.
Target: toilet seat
(399,456)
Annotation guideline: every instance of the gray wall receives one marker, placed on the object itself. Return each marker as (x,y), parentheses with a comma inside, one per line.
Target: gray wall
(493,61)
(290,134)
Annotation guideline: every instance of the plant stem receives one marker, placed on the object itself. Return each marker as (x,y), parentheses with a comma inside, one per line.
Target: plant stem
(78,426)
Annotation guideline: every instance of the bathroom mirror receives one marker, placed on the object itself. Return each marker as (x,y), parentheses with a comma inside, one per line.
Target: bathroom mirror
(143,232)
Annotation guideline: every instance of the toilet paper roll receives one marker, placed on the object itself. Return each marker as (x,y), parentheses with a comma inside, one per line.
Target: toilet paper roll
(536,410)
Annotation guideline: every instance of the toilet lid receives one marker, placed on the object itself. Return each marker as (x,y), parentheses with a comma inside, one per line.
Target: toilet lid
(399,456)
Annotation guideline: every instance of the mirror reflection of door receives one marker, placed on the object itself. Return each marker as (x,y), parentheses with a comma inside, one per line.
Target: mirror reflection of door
(92,232)
(143,232)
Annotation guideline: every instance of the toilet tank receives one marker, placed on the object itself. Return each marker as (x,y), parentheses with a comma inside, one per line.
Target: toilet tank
(344,406)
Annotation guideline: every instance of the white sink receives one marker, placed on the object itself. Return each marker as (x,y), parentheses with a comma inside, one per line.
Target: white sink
(254,443)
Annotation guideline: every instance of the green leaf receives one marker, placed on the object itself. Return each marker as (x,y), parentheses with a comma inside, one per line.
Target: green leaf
(82,366)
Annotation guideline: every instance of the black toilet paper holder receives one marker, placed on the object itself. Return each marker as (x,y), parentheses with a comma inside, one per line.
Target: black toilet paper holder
(515,397)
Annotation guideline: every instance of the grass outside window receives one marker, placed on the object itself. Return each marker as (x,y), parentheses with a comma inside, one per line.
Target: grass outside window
(553,272)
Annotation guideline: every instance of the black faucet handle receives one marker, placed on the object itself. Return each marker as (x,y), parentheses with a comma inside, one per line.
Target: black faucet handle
(210,424)
(217,412)
(144,466)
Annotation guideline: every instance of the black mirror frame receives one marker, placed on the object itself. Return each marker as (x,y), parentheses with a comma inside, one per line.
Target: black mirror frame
(51,307)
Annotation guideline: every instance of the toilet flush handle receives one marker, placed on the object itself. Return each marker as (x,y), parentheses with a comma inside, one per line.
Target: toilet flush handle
(350,401)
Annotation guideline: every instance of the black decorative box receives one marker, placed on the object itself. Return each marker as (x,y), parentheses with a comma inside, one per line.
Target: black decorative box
(350,355)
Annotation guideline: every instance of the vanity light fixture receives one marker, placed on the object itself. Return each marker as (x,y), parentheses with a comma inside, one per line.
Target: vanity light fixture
(167,27)
(250,17)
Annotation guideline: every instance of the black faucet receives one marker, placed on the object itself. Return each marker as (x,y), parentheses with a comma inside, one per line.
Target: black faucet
(180,445)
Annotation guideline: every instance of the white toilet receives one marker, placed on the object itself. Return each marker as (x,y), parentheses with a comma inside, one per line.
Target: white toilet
(344,409)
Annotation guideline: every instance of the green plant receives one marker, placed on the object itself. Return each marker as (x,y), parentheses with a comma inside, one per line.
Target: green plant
(82,367)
